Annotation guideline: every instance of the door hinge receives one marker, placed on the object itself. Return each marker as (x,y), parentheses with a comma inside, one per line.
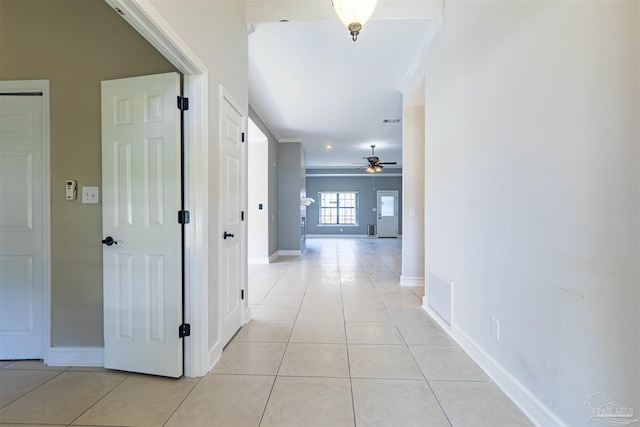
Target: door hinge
(183,217)
(184,330)
(242,216)
(242,294)
(242,136)
(183,103)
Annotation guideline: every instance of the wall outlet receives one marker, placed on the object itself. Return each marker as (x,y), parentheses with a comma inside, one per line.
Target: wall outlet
(495,327)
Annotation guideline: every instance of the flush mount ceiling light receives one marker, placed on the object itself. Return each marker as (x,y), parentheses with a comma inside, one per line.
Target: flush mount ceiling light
(354,13)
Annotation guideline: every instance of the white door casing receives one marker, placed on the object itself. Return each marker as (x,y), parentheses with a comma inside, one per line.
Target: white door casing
(141,200)
(24,219)
(387,213)
(232,195)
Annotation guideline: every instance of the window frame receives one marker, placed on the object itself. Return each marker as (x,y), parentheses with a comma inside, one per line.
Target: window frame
(356,208)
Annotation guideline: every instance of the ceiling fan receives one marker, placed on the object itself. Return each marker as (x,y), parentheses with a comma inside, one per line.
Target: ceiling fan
(375,165)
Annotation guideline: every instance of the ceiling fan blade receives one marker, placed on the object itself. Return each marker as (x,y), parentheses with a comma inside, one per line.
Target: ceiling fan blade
(388,163)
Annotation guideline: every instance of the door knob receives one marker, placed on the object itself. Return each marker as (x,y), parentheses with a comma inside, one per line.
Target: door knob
(225,235)
(109,241)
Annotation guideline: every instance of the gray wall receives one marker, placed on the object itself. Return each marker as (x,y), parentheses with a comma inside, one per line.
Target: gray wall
(290,179)
(366,186)
(272,202)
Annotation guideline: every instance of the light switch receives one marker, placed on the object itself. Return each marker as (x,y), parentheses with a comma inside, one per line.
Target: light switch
(90,194)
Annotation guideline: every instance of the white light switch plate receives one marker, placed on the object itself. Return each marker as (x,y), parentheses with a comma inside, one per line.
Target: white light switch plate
(90,195)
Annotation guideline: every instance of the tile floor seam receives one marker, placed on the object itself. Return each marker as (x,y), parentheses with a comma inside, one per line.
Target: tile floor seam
(275,378)
(347,267)
(99,400)
(415,361)
(35,387)
(182,401)
(431,388)
(346,338)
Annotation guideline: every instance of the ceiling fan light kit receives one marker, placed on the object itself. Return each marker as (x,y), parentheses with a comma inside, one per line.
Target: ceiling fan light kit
(354,14)
(375,165)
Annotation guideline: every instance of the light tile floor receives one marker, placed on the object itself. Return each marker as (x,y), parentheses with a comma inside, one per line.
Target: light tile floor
(334,341)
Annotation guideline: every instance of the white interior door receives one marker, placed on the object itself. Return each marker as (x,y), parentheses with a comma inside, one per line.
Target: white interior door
(232,196)
(23,223)
(140,204)
(387,214)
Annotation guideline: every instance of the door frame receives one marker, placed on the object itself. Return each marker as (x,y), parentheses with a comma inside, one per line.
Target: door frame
(145,19)
(30,86)
(396,208)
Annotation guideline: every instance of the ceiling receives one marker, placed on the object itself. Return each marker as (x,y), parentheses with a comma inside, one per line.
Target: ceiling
(309,82)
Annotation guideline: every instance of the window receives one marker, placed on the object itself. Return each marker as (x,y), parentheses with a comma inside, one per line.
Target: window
(338,208)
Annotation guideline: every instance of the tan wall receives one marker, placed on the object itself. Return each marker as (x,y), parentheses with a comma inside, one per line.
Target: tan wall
(75,44)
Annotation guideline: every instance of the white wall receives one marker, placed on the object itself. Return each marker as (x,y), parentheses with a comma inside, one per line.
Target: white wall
(216,32)
(258,194)
(413,195)
(532,191)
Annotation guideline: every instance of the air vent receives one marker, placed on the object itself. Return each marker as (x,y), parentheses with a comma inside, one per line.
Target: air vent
(439,295)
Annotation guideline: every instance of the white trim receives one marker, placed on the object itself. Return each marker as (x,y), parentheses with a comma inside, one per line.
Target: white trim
(47,215)
(75,356)
(142,16)
(42,86)
(215,353)
(411,281)
(345,236)
(358,175)
(435,316)
(419,62)
(196,245)
(534,409)
(263,260)
(289,252)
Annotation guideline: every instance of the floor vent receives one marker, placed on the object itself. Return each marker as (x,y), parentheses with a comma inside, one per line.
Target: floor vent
(371,230)
(439,295)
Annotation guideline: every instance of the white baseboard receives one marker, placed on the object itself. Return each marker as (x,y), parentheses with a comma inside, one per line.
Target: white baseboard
(263,260)
(334,236)
(289,252)
(529,404)
(75,356)
(411,281)
(215,353)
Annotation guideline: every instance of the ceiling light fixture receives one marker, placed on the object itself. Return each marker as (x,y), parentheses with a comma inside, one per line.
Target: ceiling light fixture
(354,13)
(374,164)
